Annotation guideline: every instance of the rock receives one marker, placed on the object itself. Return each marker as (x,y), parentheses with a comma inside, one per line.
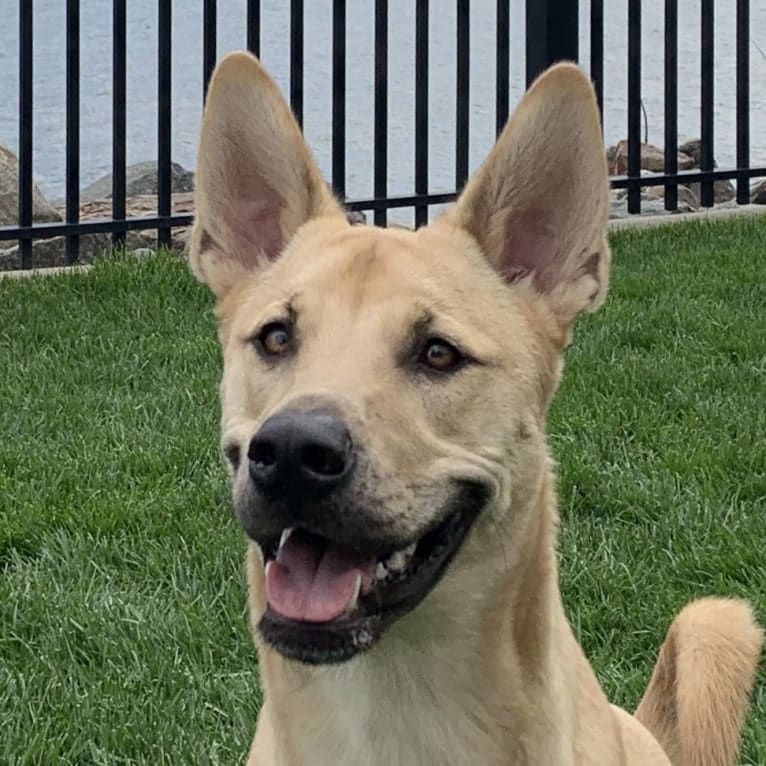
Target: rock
(51,252)
(42,210)
(652,159)
(356,217)
(694,149)
(141,206)
(140,178)
(758,194)
(722,190)
(685,196)
(650,205)
(687,200)
(137,206)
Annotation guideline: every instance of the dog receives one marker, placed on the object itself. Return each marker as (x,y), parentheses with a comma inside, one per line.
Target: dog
(384,398)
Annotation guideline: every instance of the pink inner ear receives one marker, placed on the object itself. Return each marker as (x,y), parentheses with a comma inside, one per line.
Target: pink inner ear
(531,247)
(257,230)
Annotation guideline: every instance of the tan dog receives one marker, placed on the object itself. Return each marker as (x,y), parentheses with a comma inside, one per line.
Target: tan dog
(384,400)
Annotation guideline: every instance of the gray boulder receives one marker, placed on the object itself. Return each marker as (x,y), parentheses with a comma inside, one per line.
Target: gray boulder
(651,204)
(652,159)
(140,178)
(42,210)
(723,191)
(758,194)
(52,252)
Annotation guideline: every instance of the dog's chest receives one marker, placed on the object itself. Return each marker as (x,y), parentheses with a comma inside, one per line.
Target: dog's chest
(400,724)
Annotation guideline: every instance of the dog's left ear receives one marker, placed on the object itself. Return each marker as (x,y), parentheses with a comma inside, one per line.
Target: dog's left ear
(539,204)
(256,181)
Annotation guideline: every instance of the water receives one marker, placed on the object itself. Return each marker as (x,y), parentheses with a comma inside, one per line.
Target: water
(50,57)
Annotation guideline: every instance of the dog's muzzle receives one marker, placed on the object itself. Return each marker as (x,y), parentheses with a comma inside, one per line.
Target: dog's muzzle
(333,581)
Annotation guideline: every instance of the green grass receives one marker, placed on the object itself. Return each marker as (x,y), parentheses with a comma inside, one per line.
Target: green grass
(123,637)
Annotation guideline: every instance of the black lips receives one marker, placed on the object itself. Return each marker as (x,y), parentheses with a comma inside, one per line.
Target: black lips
(343,638)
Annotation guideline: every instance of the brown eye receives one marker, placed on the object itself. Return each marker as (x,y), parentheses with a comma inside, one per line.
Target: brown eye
(275,339)
(440,355)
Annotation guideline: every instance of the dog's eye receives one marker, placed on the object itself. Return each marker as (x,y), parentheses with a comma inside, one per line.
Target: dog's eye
(275,339)
(440,355)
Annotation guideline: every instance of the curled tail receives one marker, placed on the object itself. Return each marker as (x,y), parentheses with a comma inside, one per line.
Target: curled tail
(697,698)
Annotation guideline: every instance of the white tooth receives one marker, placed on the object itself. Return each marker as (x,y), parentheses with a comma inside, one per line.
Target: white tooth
(381,572)
(285,535)
(355,598)
(409,550)
(268,564)
(396,561)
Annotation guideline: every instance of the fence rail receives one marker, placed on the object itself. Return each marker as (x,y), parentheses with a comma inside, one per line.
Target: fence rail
(552,34)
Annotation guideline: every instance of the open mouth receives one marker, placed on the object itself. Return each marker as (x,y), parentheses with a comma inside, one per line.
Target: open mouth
(327,602)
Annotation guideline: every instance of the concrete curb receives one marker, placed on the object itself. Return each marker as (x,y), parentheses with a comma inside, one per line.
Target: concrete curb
(616,224)
(49,271)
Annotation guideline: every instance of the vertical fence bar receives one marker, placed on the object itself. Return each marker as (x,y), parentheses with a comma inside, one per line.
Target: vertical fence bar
(254,26)
(339,97)
(597,52)
(296,59)
(462,96)
(743,99)
(380,181)
(502,64)
(209,41)
(552,33)
(671,102)
(421,110)
(164,84)
(119,79)
(634,104)
(72,125)
(25,129)
(707,105)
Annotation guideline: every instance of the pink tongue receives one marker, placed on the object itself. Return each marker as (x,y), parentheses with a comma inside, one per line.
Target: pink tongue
(312,580)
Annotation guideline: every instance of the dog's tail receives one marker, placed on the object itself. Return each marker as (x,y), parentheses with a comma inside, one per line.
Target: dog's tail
(697,698)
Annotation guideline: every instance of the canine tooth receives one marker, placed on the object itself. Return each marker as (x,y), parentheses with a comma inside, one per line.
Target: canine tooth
(409,550)
(355,598)
(397,561)
(285,536)
(380,571)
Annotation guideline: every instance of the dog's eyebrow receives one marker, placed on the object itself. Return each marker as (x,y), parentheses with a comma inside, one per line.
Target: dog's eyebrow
(423,321)
(290,309)
(427,322)
(286,308)
(276,311)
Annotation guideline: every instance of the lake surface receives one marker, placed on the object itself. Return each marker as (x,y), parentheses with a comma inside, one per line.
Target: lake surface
(50,58)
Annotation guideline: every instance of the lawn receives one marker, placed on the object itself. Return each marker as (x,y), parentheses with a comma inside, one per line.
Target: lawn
(123,637)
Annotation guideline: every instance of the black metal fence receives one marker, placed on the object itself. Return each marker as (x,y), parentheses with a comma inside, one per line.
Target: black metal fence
(551,34)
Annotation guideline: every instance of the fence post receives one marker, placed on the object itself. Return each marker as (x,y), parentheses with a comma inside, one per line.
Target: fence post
(552,34)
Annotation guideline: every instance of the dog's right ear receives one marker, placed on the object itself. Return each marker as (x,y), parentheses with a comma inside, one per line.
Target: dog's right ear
(256,180)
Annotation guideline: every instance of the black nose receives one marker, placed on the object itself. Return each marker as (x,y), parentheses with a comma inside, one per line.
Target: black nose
(300,456)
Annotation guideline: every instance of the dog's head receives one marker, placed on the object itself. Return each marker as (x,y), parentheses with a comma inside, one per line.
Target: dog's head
(384,391)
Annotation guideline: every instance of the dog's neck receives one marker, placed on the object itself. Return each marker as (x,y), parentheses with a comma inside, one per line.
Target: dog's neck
(495,648)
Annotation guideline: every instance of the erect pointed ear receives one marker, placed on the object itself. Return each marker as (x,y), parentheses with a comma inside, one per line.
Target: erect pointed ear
(538,206)
(256,181)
